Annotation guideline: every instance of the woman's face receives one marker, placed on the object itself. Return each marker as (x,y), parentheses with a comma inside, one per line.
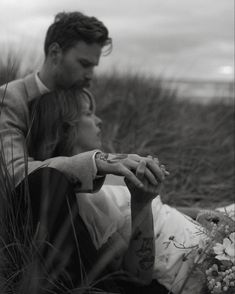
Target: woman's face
(88,132)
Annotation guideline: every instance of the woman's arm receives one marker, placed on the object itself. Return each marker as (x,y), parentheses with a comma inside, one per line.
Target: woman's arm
(139,257)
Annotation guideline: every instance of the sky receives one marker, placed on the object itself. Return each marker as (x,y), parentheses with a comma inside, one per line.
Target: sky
(176,39)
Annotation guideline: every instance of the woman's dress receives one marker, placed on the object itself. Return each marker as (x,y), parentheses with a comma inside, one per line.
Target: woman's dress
(107,212)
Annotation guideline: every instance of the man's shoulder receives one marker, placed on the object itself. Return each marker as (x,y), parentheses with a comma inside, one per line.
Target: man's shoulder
(12,84)
(18,86)
(16,81)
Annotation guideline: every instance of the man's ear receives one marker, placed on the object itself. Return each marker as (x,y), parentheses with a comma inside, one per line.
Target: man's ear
(55,52)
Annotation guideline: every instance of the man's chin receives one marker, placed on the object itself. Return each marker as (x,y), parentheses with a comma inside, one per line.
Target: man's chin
(80,85)
(86,84)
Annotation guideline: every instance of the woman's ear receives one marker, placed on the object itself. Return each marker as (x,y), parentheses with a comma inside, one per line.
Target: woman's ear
(54,52)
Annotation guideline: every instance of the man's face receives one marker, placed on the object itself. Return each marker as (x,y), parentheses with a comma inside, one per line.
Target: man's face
(75,66)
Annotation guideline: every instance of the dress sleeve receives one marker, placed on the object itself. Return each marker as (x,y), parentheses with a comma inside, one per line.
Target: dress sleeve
(105,213)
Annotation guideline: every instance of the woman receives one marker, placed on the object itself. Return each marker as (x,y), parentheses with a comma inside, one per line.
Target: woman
(65,123)
(131,228)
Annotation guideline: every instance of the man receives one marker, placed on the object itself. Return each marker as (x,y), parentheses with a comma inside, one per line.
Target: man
(73,46)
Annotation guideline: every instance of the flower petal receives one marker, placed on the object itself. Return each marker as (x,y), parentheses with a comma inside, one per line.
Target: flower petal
(222,257)
(227,242)
(230,251)
(232,237)
(218,248)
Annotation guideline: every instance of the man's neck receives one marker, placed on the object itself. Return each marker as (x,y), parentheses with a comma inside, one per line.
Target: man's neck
(46,76)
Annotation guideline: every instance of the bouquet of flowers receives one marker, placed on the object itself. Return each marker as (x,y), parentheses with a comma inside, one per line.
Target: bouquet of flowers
(216,252)
(213,258)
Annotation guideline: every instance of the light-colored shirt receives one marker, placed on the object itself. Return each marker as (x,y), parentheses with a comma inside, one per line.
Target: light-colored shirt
(42,88)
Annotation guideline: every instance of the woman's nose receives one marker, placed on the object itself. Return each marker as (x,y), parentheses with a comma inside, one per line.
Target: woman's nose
(98,121)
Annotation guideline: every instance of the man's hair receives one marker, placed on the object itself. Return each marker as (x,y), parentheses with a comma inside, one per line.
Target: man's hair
(53,120)
(70,27)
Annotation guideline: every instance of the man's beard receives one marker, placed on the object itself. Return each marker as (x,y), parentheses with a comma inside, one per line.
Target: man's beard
(65,84)
(81,84)
(86,83)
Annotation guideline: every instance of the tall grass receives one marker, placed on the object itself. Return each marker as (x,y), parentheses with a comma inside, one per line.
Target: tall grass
(194,141)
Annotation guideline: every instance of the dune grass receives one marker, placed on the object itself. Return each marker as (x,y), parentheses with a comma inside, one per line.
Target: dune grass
(195,141)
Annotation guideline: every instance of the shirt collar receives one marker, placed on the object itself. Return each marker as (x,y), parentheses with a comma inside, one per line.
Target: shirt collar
(42,88)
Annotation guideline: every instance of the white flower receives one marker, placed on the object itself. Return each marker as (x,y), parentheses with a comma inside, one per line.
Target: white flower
(231,248)
(232,237)
(226,251)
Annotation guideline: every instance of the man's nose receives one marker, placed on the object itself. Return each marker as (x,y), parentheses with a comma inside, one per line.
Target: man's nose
(89,73)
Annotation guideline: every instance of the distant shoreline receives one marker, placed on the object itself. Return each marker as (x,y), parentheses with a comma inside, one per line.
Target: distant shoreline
(202,91)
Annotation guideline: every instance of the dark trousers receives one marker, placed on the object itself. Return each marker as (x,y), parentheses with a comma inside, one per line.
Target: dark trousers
(63,252)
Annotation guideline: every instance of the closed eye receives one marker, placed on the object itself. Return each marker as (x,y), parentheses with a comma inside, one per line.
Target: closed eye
(86,63)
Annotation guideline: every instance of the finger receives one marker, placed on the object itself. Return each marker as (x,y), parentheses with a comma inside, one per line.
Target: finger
(130,176)
(156,160)
(140,170)
(155,169)
(143,171)
(163,168)
(150,177)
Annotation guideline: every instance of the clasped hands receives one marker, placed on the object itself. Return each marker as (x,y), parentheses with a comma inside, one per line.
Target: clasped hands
(142,174)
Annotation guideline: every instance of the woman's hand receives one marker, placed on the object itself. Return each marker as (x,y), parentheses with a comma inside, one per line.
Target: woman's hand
(139,258)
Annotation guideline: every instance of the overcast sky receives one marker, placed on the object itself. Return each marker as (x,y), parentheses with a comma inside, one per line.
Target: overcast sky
(173,38)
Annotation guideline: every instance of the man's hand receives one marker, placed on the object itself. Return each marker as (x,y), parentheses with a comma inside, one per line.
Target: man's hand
(126,165)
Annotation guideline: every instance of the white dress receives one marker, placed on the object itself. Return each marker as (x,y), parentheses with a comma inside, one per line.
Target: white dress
(108,211)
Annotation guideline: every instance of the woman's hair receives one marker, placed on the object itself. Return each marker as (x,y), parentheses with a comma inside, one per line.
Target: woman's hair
(52,120)
(70,27)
